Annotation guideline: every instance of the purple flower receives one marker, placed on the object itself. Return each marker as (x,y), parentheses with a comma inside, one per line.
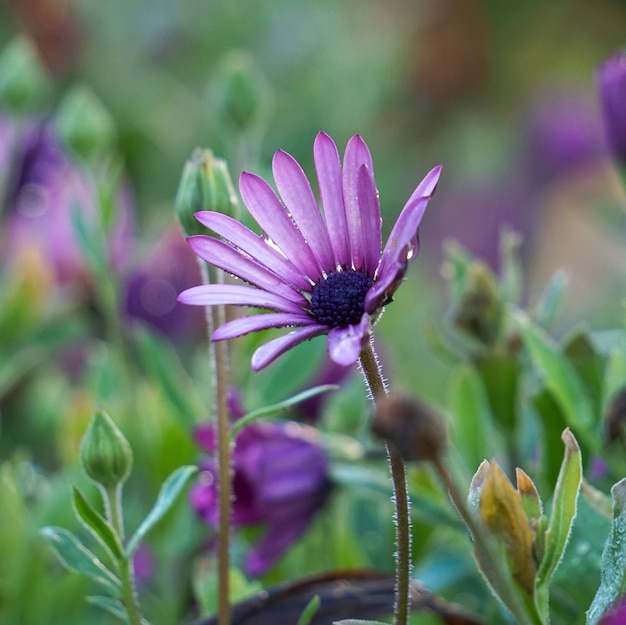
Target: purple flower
(612,85)
(321,275)
(617,616)
(280,479)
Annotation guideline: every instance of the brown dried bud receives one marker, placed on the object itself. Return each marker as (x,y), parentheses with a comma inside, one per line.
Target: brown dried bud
(413,427)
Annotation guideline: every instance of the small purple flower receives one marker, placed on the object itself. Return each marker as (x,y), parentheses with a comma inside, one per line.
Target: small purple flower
(280,479)
(612,85)
(616,616)
(322,275)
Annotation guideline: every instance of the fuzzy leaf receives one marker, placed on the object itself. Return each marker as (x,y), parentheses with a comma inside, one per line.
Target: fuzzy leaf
(98,525)
(112,606)
(171,489)
(531,502)
(76,557)
(612,568)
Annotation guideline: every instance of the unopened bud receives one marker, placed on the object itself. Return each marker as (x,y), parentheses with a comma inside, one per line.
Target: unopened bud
(241,93)
(413,427)
(105,453)
(480,310)
(24,82)
(205,185)
(84,126)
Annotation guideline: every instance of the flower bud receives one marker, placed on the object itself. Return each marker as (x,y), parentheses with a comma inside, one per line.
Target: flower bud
(23,80)
(413,427)
(479,312)
(205,185)
(612,91)
(241,94)
(84,126)
(105,453)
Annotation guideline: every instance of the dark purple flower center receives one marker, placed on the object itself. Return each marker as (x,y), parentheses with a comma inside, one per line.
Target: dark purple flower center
(337,300)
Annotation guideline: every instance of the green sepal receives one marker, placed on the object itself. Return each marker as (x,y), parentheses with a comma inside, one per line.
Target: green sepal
(76,557)
(170,490)
(612,570)
(97,525)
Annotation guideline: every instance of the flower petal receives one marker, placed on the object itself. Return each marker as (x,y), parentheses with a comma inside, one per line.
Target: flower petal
(328,169)
(402,245)
(253,245)
(357,154)
(236,295)
(267,353)
(253,323)
(271,215)
(233,261)
(370,219)
(345,344)
(296,193)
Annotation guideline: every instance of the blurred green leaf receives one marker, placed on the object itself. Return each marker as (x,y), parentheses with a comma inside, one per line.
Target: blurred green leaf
(561,379)
(91,241)
(588,363)
(612,571)
(110,605)
(561,518)
(550,299)
(76,557)
(309,611)
(98,525)
(171,489)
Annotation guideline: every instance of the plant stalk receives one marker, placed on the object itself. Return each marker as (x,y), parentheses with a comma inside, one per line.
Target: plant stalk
(372,373)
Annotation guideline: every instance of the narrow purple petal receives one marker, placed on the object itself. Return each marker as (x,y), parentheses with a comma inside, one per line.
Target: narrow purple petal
(253,245)
(370,218)
(402,245)
(236,295)
(329,182)
(253,323)
(345,344)
(271,215)
(356,155)
(267,353)
(296,193)
(229,259)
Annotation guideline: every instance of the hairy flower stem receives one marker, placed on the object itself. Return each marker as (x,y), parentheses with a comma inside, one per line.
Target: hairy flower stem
(218,356)
(378,389)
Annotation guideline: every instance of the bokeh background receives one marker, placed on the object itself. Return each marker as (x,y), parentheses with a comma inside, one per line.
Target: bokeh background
(503,94)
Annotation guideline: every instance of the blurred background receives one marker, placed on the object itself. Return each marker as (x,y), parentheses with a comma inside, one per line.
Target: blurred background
(503,94)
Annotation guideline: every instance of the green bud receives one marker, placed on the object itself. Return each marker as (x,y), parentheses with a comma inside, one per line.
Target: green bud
(241,93)
(24,82)
(84,126)
(105,453)
(205,185)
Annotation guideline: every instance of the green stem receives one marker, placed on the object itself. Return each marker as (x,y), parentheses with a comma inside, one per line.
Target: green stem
(113,508)
(378,389)
(219,358)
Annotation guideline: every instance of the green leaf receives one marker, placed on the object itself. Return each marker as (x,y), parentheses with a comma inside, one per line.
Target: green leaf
(471,411)
(171,489)
(90,240)
(76,557)
(560,378)
(309,610)
(162,363)
(98,525)
(550,300)
(274,409)
(612,569)
(561,518)
(112,606)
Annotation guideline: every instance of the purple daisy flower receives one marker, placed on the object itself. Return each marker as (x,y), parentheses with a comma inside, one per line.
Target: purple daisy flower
(320,274)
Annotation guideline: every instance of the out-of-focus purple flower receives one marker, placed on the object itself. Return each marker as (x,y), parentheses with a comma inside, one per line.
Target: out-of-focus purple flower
(598,469)
(616,616)
(562,135)
(152,288)
(42,190)
(321,275)
(612,87)
(144,565)
(280,480)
